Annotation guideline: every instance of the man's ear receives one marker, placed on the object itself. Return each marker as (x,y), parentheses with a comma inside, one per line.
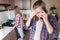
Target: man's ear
(44,9)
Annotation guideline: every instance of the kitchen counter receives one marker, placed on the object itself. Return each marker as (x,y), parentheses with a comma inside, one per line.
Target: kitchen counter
(5,31)
(9,33)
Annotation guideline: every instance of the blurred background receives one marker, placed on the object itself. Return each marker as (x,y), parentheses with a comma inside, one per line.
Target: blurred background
(7,15)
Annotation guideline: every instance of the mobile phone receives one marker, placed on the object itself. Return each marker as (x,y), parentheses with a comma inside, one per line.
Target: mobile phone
(41,18)
(44,9)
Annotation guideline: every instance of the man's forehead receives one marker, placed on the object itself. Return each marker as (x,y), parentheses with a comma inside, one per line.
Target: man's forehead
(39,9)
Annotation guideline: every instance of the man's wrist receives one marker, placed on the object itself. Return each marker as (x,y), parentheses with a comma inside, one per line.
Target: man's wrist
(46,21)
(30,17)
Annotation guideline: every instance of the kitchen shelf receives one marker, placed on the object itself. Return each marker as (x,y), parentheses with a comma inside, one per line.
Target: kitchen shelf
(5,5)
(5,10)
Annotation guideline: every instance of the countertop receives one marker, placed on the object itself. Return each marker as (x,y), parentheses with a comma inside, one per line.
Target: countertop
(5,31)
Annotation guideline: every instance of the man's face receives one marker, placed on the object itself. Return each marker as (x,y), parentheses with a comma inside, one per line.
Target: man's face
(38,10)
(17,9)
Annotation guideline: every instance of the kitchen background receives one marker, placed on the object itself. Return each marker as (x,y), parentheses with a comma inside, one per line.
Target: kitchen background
(26,6)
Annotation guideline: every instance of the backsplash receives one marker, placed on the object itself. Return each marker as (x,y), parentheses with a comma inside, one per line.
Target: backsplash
(4,16)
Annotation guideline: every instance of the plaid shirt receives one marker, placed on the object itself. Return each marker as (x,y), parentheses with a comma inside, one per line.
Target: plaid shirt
(19,21)
(44,33)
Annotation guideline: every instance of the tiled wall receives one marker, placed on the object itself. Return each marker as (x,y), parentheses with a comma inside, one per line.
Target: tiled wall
(4,16)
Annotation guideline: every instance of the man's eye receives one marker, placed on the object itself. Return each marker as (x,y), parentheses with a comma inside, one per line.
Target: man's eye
(38,12)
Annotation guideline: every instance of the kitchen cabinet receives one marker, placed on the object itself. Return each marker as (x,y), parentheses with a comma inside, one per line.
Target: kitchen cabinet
(26,4)
(12,3)
(23,4)
(12,35)
(8,4)
(27,34)
(4,1)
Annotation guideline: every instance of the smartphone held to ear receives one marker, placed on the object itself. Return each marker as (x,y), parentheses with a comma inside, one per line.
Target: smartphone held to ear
(41,18)
(44,9)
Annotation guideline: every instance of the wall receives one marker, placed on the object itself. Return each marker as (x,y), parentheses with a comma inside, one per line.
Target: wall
(3,17)
(56,3)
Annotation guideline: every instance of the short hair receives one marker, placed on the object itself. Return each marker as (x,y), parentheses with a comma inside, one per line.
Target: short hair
(39,3)
(16,7)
